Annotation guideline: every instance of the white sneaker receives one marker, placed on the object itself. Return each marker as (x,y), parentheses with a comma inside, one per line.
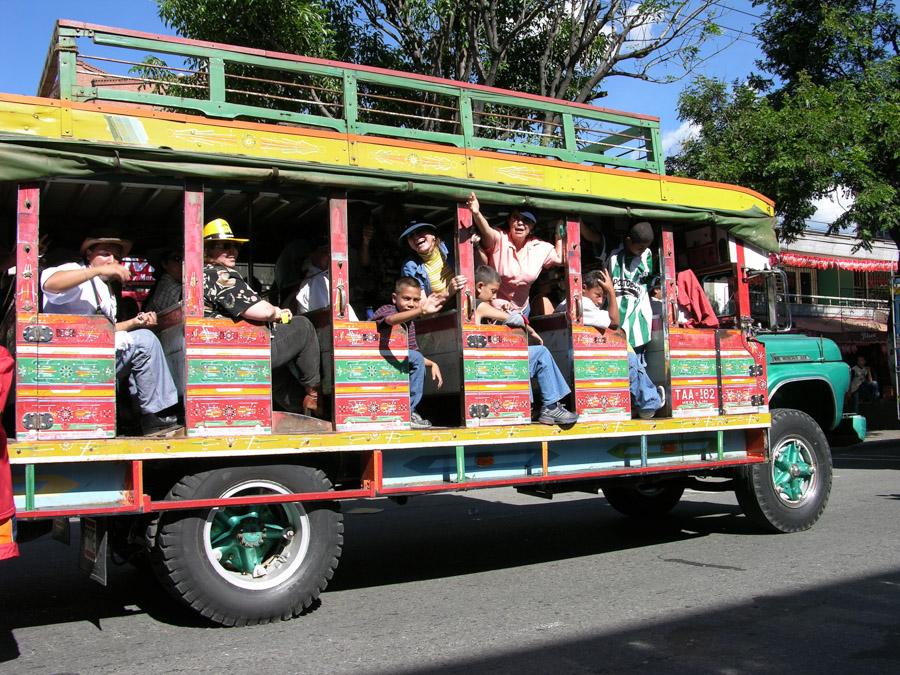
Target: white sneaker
(662,395)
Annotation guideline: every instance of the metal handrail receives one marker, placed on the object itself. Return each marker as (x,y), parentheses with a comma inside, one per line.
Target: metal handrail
(838,301)
(464,104)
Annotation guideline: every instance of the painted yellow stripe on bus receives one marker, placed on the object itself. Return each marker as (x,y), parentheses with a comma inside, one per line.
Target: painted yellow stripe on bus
(196,134)
(495,354)
(28,452)
(500,387)
(601,355)
(74,392)
(228,391)
(583,385)
(694,382)
(238,352)
(343,389)
(51,351)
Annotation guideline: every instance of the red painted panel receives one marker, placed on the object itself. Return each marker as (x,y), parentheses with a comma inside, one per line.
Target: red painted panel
(193,253)
(66,417)
(668,268)
(572,249)
(465,259)
(488,402)
(225,333)
(365,334)
(340,285)
(222,409)
(599,403)
(228,415)
(27,214)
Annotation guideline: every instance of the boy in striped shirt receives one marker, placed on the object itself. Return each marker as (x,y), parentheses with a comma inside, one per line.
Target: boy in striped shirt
(631,266)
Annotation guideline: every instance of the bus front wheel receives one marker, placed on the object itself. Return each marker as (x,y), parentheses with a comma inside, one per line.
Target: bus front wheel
(790,491)
(249,564)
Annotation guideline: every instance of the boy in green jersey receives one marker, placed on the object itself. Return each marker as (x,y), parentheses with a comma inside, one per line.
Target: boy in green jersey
(631,266)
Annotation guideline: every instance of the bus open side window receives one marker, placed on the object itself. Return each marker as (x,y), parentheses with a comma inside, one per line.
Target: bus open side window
(594,361)
(495,376)
(65,364)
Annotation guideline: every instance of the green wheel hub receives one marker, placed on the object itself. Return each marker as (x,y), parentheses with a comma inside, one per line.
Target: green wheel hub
(243,537)
(794,471)
(256,547)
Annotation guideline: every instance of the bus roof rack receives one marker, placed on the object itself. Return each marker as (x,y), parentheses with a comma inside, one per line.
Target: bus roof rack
(230,82)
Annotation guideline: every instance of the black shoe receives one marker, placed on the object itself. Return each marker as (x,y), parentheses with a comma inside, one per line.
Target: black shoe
(154,423)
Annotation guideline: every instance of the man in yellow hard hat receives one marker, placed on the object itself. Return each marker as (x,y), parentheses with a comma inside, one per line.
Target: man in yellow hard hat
(295,346)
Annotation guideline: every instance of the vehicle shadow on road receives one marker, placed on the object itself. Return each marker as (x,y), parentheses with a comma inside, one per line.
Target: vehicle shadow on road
(870,455)
(449,535)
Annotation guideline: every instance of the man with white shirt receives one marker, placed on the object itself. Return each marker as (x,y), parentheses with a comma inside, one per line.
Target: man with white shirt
(81,288)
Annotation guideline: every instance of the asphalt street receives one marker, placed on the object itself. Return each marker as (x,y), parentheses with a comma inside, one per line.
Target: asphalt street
(493,581)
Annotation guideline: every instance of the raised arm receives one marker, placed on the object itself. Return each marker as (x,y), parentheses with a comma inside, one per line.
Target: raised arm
(611,302)
(489,237)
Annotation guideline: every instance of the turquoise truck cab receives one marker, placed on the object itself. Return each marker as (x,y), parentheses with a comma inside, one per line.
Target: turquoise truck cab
(806,373)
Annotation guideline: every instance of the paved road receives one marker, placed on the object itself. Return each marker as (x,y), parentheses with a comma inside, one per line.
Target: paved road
(496,582)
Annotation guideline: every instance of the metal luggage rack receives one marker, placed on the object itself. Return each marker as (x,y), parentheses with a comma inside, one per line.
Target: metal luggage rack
(223,81)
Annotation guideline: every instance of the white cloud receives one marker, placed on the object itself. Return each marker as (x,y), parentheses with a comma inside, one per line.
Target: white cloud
(672,140)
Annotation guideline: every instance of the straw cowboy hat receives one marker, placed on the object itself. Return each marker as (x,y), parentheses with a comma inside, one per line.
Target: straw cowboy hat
(106,236)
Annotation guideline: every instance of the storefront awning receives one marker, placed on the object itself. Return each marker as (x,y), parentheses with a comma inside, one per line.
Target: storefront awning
(823,263)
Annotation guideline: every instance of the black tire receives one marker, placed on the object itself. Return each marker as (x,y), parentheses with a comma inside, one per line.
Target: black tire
(644,500)
(802,499)
(290,579)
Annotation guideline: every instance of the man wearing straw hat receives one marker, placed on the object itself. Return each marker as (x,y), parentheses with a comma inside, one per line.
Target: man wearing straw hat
(295,345)
(81,288)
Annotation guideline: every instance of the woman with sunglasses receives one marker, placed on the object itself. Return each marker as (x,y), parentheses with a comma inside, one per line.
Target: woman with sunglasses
(516,253)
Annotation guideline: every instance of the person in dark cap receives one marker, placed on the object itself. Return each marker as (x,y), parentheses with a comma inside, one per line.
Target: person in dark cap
(81,288)
(430,263)
(295,345)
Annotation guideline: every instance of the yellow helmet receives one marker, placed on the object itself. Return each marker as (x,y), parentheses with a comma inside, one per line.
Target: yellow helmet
(220,230)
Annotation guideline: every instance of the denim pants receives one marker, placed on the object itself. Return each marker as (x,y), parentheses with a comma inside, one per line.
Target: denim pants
(644,392)
(416,378)
(143,363)
(542,367)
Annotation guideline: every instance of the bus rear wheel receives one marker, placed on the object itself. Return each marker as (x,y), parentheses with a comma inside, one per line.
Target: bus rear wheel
(789,492)
(643,500)
(249,564)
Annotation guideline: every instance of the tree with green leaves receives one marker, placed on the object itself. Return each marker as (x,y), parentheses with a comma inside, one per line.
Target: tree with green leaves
(559,48)
(823,116)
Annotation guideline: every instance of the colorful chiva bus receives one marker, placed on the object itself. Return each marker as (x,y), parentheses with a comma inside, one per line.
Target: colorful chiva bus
(240,507)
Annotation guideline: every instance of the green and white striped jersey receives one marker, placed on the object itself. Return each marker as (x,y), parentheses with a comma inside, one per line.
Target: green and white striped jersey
(630,275)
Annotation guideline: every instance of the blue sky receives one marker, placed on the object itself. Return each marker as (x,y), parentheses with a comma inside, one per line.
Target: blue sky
(24,42)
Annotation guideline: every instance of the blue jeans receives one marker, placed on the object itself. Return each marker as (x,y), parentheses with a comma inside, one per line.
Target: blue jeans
(644,392)
(542,367)
(143,364)
(416,378)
